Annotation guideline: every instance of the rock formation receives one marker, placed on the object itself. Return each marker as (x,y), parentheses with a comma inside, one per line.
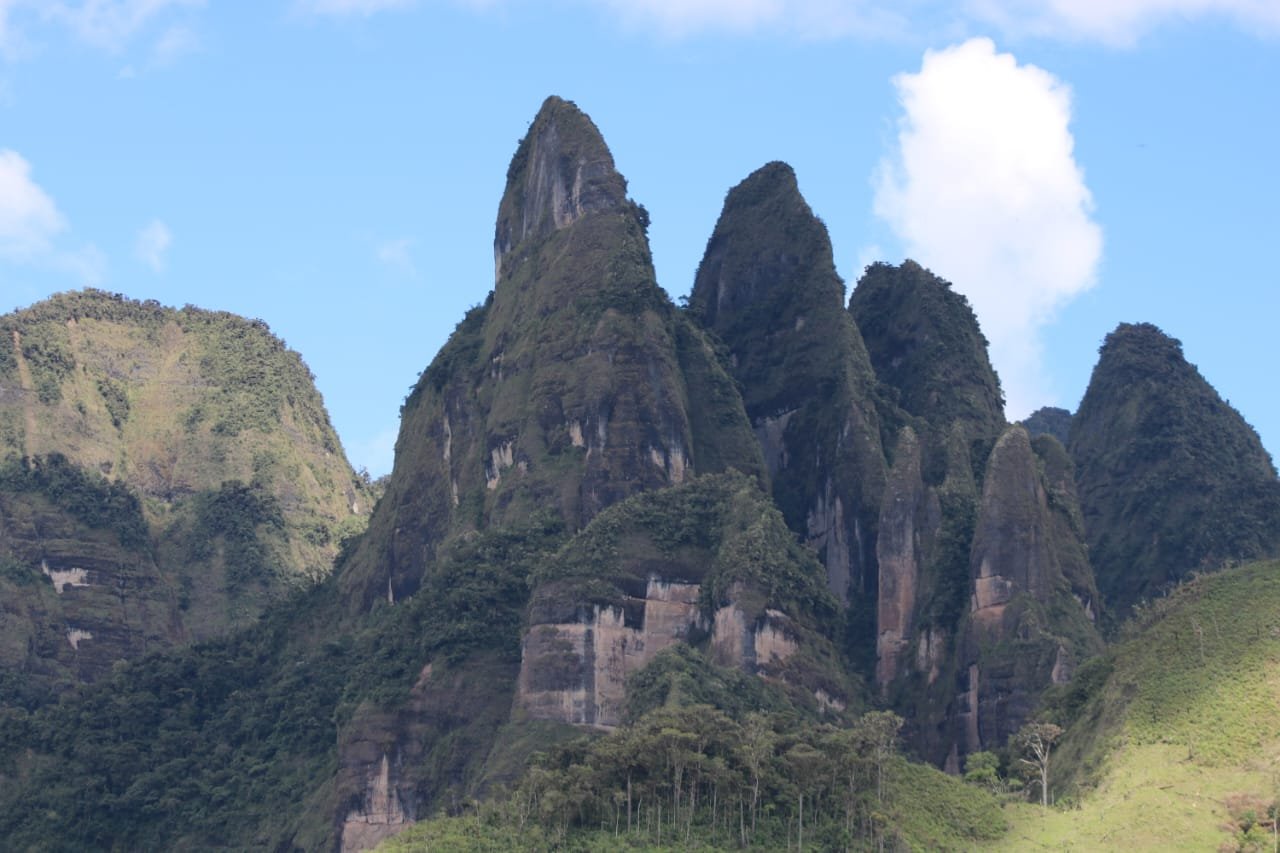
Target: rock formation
(1031,616)
(575,385)
(768,288)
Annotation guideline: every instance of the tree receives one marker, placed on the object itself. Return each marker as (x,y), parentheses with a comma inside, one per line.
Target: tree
(983,769)
(1034,743)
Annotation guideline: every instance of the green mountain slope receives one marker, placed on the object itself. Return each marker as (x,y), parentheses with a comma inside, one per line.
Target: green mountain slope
(201,427)
(1175,729)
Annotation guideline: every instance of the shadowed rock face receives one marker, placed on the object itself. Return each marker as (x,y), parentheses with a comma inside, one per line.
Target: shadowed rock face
(1171,478)
(85,599)
(908,523)
(768,288)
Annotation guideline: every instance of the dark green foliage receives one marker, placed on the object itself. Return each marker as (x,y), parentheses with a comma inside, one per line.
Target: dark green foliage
(681,676)
(86,496)
(691,777)
(1049,420)
(929,353)
(481,587)
(718,531)
(116,399)
(1171,478)
(226,743)
(234,516)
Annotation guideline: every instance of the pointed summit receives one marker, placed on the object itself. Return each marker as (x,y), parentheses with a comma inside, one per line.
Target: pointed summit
(925,343)
(768,287)
(561,172)
(1171,478)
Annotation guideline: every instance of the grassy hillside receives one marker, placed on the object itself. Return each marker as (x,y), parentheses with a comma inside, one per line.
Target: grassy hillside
(1179,739)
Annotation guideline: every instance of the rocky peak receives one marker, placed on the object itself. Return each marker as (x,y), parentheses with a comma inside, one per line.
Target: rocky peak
(768,287)
(561,172)
(1049,420)
(1171,477)
(925,345)
(767,246)
(576,385)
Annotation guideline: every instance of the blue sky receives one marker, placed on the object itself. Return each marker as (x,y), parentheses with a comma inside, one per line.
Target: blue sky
(334,166)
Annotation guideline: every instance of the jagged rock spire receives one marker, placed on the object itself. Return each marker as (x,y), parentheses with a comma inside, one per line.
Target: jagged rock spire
(925,344)
(577,383)
(561,171)
(768,287)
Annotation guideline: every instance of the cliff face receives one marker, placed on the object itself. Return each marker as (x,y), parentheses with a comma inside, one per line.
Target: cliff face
(711,561)
(940,409)
(200,421)
(768,288)
(79,588)
(1171,478)
(1034,603)
(986,595)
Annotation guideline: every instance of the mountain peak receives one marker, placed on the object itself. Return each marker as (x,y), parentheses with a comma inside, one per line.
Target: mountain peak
(1172,478)
(561,172)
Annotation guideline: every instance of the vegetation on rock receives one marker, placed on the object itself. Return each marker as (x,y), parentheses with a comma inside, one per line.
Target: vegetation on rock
(1172,480)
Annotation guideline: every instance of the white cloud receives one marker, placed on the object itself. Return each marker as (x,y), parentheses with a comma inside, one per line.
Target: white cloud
(397,254)
(30,224)
(109,24)
(983,188)
(1119,22)
(152,245)
(339,8)
(29,220)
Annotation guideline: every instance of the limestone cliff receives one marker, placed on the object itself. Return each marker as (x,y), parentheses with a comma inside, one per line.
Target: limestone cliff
(768,288)
(711,563)
(1172,479)
(940,410)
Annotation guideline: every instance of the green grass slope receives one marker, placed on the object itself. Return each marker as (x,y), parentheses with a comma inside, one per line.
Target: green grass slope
(1179,736)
